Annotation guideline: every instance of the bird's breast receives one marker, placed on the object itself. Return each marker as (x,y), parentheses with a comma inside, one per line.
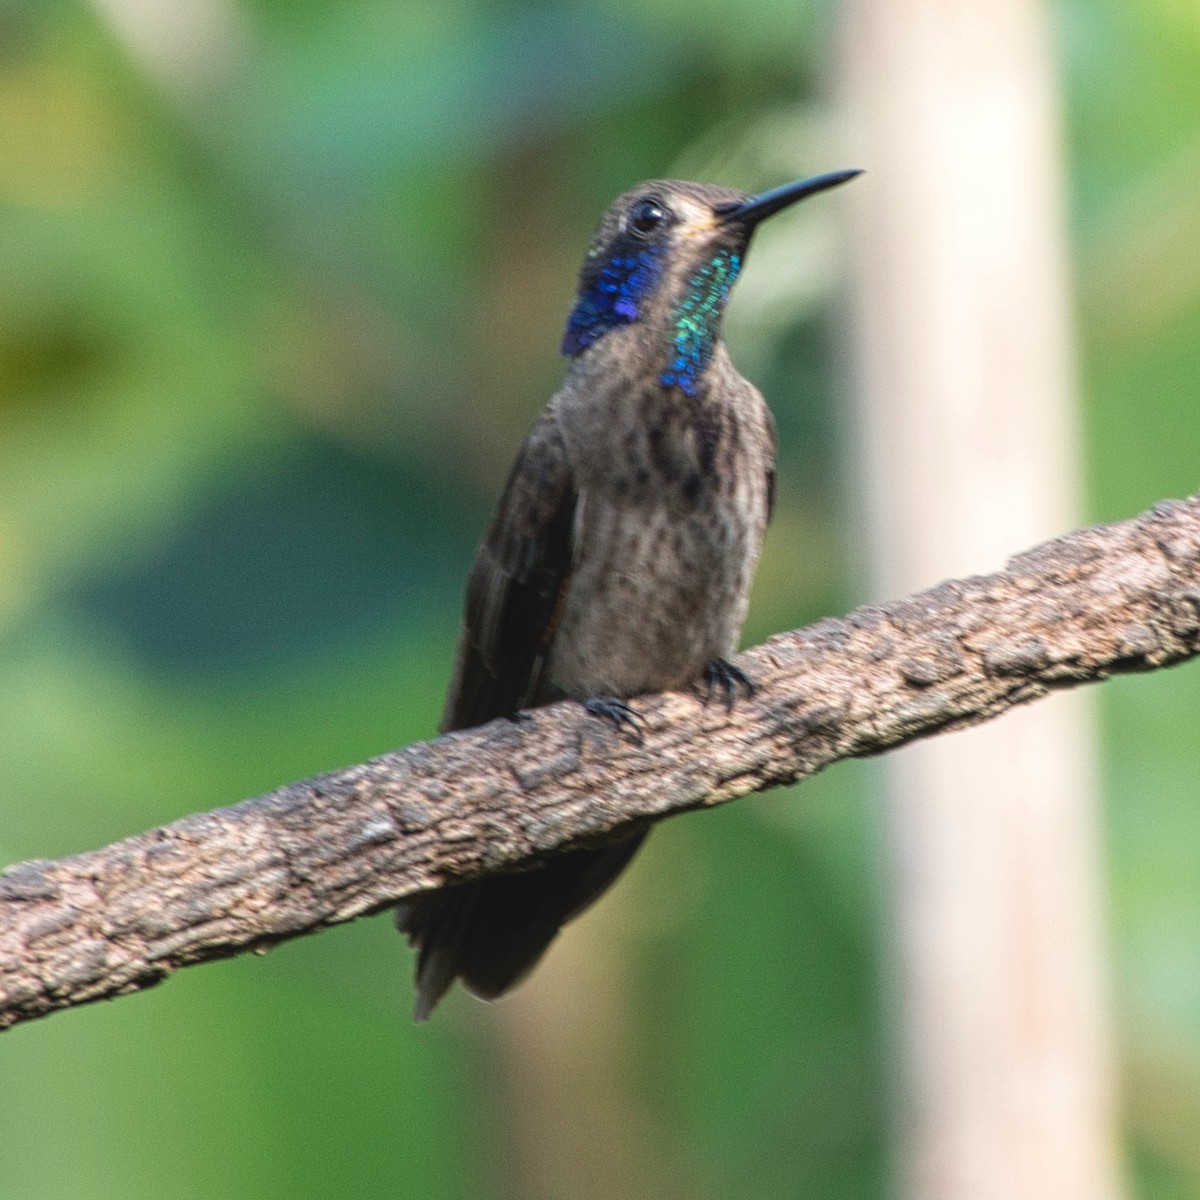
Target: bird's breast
(667,536)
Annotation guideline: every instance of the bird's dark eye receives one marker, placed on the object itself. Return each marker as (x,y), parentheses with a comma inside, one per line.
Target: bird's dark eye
(646,216)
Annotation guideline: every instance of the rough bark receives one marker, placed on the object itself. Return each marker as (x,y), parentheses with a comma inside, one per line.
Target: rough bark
(1104,600)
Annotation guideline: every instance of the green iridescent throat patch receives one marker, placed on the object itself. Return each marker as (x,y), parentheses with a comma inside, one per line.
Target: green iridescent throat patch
(697,319)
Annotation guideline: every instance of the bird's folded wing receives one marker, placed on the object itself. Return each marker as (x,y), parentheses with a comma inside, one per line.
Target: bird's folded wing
(517,586)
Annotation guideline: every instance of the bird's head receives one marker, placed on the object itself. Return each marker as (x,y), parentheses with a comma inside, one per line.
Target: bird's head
(668,252)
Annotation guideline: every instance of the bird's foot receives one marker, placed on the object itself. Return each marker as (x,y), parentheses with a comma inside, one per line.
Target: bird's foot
(625,718)
(724,678)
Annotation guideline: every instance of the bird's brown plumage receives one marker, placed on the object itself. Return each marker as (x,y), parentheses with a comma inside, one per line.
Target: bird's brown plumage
(618,562)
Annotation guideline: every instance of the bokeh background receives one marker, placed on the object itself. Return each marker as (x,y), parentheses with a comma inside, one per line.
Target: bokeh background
(281,285)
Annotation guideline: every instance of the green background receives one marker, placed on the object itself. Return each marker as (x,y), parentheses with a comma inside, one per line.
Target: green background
(275,310)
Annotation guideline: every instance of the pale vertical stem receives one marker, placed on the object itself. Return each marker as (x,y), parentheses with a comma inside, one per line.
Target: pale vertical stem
(967,445)
(574,1123)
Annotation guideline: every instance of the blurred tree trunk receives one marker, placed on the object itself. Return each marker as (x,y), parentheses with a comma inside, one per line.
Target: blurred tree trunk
(574,1122)
(570,1125)
(967,449)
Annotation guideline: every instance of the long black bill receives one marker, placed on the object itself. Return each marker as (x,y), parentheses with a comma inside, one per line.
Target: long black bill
(766,204)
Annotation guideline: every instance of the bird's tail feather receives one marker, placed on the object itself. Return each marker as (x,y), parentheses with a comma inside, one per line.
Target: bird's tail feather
(490,934)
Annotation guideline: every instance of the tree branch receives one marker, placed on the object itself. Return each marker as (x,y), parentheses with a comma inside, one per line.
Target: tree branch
(1076,610)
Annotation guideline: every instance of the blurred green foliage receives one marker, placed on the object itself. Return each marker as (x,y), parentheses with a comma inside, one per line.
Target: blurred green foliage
(280,288)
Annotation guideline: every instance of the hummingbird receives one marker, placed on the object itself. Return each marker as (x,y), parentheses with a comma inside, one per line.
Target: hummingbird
(619,558)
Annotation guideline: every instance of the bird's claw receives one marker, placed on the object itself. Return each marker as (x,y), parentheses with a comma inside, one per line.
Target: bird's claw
(625,718)
(722,676)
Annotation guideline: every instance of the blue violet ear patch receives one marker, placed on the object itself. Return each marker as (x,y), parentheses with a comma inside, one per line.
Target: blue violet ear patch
(613,297)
